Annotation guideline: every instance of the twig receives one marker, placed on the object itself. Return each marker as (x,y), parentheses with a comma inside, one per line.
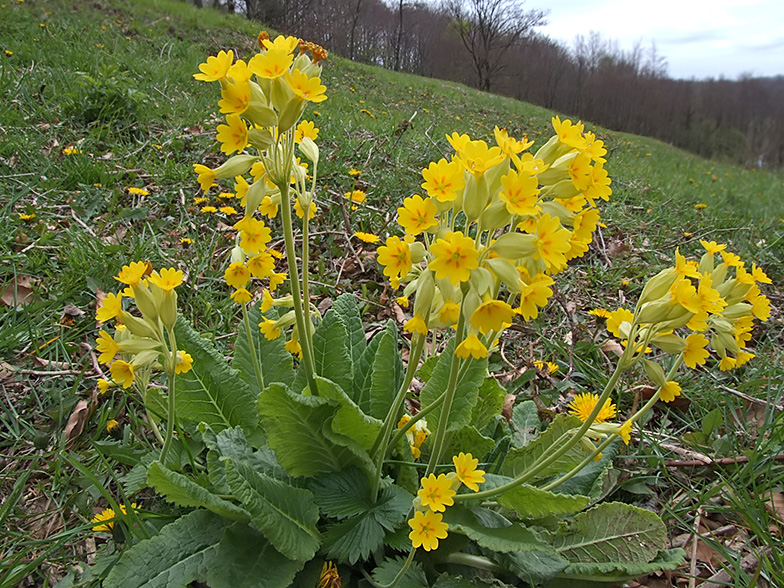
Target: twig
(81,223)
(696,537)
(751,399)
(722,461)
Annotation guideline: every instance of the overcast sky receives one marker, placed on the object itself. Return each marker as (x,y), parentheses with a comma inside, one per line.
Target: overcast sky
(698,38)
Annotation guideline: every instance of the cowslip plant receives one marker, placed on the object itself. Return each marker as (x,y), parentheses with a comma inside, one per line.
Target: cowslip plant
(312,472)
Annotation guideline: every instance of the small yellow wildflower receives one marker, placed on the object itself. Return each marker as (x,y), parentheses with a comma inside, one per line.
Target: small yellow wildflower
(427,528)
(583,404)
(436,492)
(465,467)
(137,191)
(669,391)
(367,237)
(184,362)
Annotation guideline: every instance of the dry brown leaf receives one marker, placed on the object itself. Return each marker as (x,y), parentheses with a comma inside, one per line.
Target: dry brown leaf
(774,503)
(400,316)
(19,291)
(509,402)
(6,372)
(72,310)
(612,346)
(77,420)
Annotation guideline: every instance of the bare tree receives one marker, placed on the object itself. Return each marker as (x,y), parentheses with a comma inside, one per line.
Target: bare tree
(489,29)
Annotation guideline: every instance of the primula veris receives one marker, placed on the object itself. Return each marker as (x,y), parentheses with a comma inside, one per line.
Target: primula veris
(427,528)
(454,257)
(262,265)
(310,89)
(436,492)
(616,319)
(233,136)
(276,279)
(122,373)
(443,180)
(269,330)
(254,234)
(534,296)
(237,275)
(416,325)
(107,346)
(284,44)
(241,296)
(167,279)
(471,346)
(669,391)
(552,242)
(235,98)
(184,362)
(215,68)
(569,133)
(467,472)
(103,385)
(583,404)
(272,64)
(520,193)
(477,157)
(305,129)
(417,214)
(449,313)
(713,247)
(492,316)
(395,256)
(110,308)
(626,432)
(206,176)
(132,273)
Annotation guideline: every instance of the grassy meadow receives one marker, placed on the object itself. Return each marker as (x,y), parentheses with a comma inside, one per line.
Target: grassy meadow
(101,122)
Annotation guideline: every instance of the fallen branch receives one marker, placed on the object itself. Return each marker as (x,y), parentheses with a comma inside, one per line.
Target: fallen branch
(722,461)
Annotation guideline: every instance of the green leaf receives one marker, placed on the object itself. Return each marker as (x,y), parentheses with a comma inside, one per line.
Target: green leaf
(534,503)
(514,537)
(295,427)
(349,419)
(331,351)
(591,480)
(277,364)
(346,307)
(386,373)
(211,391)
(413,578)
(246,559)
(286,515)
(469,440)
(342,494)
(533,567)
(612,533)
(489,403)
(466,392)
(182,553)
(525,423)
(183,491)
(668,559)
(353,539)
(520,459)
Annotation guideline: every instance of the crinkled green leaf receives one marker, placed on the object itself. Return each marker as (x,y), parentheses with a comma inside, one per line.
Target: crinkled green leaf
(183,491)
(349,420)
(413,578)
(514,537)
(489,403)
(353,539)
(533,567)
(525,423)
(276,364)
(331,351)
(181,553)
(211,391)
(386,373)
(466,392)
(246,559)
(617,573)
(298,430)
(612,533)
(534,503)
(286,515)
(469,440)
(342,494)
(518,460)
(346,307)
(595,479)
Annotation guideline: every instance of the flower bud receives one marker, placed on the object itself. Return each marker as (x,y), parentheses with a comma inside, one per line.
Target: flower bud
(418,251)
(255,195)
(655,372)
(507,272)
(563,189)
(551,150)
(514,245)
(424,295)
(236,166)
(168,309)
(494,216)
(261,139)
(237,254)
(658,287)
(290,113)
(559,170)
(481,281)
(145,358)
(310,150)
(145,302)
(476,197)
(669,343)
(140,327)
(136,345)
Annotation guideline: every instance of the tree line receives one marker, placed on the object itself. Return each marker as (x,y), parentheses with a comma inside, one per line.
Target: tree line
(494,46)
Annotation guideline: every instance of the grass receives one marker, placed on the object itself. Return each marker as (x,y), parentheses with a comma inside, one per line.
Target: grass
(113,81)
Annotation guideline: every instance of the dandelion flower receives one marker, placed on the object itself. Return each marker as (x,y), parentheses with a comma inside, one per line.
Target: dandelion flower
(367,237)
(583,404)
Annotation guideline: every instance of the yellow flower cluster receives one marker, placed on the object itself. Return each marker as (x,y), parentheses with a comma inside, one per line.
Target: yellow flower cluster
(141,342)
(495,216)
(415,435)
(263,100)
(435,494)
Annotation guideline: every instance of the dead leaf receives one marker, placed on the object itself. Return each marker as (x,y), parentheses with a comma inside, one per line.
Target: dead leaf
(775,505)
(19,292)
(400,316)
(612,346)
(58,365)
(72,311)
(509,402)
(324,305)
(77,420)
(6,372)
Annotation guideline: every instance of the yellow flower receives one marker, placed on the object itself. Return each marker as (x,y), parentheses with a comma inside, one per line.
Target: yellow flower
(235,98)
(23,216)
(208,209)
(700,206)
(300,213)
(272,64)
(472,346)
(111,424)
(395,256)
(241,296)
(305,129)
(237,275)
(402,301)
(234,135)
(138,191)
(427,528)
(669,391)
(206,176)
(268,208)
(281,43)
(727,363)
(262,265)
(122,373)
(267,301)
(599,313)
(215,68)
(416,325)
(520,193)
(626,432)
(436,492)
(254,234)
(72,151)
(417,214)
(449,313)
(293,347)
(353,172)
(103,385)
(492,316)
(366,237)
(570,134)
(167,279)
(552,242)
(455,257)
(110,308)
(548,367)
(534,296)
(443,180)
(583,404)
(133,273)
(276,279)
(616,319)
(477,157)
(357,196)
(269,330)
(239,72)
(695,353)
(713,247)
(731,259)
(465,467)
(103,521)
(759,275)
(184,362)
(310,89)
(228,210)
(107,346)
(329,577)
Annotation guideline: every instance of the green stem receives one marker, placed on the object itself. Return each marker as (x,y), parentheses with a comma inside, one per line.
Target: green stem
(570,438)
(252,345)
(381,445)
(308,337)
(170,413)
(443,419)
(296,294)
(575,470)
(474,561)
